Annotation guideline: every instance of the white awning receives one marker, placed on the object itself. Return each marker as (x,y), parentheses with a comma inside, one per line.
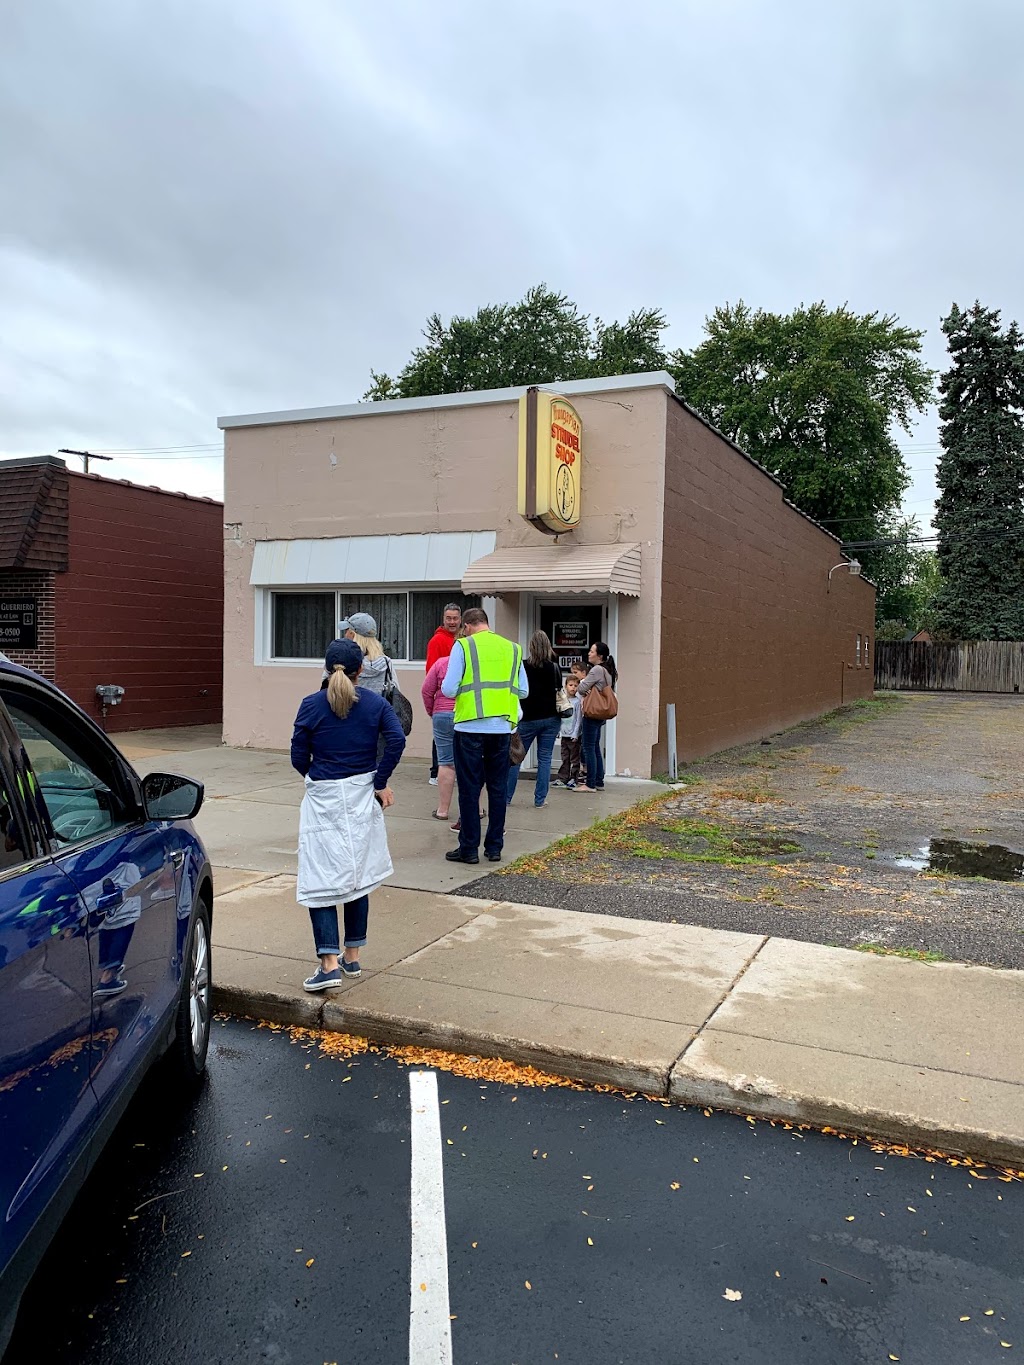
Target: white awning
(436,557)
(556,569)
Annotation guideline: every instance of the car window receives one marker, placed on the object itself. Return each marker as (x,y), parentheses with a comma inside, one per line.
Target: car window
(14,843)
(79,781)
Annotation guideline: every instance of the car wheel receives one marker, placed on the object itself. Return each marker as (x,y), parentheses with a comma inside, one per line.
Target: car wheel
(192,1034)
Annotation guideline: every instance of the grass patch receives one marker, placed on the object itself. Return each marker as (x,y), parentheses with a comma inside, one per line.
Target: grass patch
(611,835)
(756,793)
(912,954)
(639,833)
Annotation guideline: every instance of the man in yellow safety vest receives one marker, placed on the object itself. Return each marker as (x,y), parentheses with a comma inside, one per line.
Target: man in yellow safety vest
(486,678)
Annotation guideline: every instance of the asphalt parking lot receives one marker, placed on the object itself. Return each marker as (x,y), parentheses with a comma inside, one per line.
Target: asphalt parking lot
(885,825)
(271,1222)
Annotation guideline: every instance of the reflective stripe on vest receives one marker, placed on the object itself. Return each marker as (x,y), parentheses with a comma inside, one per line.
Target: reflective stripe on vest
(487,683)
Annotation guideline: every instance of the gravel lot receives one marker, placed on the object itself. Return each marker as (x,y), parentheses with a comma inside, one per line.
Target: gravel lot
(835,832)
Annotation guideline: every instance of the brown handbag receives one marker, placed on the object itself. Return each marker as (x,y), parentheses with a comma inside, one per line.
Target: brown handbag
(601,703)
(516,749)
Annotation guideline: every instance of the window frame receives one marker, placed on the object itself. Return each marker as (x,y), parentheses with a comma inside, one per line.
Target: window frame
(858,650)
(263,654)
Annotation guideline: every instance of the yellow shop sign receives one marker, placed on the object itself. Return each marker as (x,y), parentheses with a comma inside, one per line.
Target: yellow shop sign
(550,461)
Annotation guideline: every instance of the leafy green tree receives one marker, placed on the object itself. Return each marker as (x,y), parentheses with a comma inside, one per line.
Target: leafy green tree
(542,339)
(980,512)
(907,579)
(814,396)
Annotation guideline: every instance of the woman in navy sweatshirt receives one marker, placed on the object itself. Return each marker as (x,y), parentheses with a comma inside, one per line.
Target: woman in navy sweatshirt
(343,849)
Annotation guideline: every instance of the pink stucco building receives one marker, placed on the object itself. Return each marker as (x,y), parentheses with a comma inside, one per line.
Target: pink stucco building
(711,588)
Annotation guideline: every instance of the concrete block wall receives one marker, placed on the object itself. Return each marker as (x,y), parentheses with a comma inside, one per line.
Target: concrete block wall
(754,637)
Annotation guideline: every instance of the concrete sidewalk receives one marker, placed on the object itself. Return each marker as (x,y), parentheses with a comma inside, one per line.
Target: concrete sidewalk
(924,1053)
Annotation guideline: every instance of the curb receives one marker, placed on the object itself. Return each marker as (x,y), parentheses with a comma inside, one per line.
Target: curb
(677,1083)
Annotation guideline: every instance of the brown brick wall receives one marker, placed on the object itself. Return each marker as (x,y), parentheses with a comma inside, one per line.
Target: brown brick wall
(142,603)
(753,640)
(38,584)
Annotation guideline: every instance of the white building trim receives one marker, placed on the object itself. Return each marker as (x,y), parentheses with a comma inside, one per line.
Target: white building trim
(655,379)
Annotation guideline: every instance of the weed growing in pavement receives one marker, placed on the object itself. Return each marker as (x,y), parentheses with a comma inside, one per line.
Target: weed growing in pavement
(639,833)
(914,954)
(757,793)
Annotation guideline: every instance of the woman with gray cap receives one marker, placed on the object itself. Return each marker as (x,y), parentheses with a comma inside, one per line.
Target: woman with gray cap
(362,628)
(343,846)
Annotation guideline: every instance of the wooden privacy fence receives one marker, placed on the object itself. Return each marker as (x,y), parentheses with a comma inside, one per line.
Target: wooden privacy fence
(968,666)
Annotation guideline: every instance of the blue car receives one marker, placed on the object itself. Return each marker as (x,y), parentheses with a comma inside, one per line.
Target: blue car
(106,898)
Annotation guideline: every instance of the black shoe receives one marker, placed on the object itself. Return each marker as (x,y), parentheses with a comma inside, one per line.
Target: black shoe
(493,857)
(456,855)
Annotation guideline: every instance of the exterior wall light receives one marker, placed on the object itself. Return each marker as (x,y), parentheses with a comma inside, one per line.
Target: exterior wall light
(852,564)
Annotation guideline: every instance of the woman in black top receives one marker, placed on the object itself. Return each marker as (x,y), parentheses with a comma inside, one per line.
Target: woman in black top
(540,720)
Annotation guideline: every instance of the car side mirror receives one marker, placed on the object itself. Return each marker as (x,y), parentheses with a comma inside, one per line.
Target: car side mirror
(166,796)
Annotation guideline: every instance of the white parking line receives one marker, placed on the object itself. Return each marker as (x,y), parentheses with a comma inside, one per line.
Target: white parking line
(430,1328)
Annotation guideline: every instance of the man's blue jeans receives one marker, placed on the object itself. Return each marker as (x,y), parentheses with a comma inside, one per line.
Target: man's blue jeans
(481,761)
(325,926)
(545,732)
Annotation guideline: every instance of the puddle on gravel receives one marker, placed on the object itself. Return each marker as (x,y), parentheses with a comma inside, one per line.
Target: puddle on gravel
(962,858)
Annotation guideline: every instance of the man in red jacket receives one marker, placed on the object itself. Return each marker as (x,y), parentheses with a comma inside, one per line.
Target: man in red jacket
(440,647)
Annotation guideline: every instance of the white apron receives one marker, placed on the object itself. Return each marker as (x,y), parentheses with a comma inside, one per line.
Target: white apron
(343,845)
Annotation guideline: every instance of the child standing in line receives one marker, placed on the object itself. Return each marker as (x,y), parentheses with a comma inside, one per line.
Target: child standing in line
(569,772)
(579,671)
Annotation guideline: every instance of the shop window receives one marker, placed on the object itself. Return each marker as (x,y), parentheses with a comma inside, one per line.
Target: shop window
(425,612)
(858,651)
(304,624)
(389,610)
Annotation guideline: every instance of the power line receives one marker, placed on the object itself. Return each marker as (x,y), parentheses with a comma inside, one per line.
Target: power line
(158,450)
(982,538)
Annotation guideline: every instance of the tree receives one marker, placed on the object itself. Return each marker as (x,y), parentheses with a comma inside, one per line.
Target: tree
(542,339)
(907,579)
(980,512)
(814,396)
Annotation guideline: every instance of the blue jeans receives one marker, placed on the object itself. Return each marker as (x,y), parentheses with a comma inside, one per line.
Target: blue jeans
(325,926)
(545,732)
(481,761)
(443,725)
(592,755)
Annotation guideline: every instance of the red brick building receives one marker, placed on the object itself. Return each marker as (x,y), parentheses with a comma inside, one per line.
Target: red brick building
(104,581)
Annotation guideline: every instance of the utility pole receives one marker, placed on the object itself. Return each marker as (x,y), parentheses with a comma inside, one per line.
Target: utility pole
(86,455)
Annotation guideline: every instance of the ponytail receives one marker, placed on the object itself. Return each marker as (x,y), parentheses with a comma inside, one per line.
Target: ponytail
(608,662)
(341,693)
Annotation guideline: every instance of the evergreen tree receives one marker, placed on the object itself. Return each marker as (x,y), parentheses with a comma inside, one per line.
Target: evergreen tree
(980,513)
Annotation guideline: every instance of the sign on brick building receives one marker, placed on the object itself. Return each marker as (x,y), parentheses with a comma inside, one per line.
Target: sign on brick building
(18,621)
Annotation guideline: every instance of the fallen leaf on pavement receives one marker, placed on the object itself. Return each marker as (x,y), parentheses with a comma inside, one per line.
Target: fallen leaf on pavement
(732,1295)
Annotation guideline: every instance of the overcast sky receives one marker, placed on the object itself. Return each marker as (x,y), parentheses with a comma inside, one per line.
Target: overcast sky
(222,206)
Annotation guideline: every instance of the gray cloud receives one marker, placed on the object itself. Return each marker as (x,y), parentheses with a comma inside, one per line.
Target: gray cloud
(237,204)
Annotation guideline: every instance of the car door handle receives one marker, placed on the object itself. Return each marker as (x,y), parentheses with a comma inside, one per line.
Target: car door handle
(110,900)
(178,857)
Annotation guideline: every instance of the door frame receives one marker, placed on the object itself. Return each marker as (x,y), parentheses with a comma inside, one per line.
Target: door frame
(530,604)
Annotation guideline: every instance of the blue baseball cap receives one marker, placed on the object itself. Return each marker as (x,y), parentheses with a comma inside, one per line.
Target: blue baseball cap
(344,654)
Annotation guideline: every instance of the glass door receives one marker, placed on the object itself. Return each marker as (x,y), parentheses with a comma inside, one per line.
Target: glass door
(572,627)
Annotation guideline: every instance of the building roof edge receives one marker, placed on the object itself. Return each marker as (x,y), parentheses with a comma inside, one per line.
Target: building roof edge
(654,379)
